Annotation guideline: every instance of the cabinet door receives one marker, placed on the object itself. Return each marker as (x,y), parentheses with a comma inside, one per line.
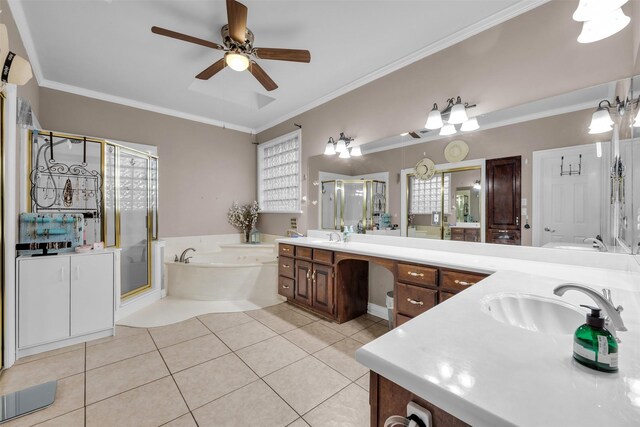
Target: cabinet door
(303,291)
(91,293)
(323,288)
(43,300)
(503,193)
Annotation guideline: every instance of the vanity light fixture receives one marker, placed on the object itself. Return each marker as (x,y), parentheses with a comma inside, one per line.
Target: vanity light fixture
(477,185)
(342,147)
(601,19)
(602,118)
(455,113)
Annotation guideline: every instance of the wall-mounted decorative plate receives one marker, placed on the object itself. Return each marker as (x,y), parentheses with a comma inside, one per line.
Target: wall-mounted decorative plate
(425,169)
(456,151)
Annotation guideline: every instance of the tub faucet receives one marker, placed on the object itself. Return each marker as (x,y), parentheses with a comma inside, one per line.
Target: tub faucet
(613,320)
(184,253)
(597,243)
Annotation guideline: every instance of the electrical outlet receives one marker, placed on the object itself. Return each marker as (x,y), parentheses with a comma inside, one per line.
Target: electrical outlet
(422,413)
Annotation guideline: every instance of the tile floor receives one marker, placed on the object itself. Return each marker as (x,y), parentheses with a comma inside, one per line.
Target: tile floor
(278,366)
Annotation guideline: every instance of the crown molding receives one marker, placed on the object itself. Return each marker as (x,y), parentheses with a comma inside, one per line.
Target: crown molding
(23,28)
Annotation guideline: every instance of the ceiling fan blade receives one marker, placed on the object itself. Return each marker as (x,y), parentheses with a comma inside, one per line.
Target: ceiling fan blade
(294,55)
(212,70)
(184,37)
(262,76)
(237,18)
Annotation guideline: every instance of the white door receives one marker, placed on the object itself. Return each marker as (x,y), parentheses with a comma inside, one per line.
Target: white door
(43,300)
(569,204)
(91,293)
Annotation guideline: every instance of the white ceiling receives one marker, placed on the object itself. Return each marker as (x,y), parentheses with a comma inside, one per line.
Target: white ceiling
(105,49)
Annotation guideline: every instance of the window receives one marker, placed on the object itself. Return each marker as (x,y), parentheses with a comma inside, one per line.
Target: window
(279,174)
(425,194)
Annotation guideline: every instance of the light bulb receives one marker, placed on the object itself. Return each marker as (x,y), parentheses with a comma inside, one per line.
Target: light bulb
(356,152)
(458,114)
(434,120)
(447,130)
(469,125)
(588,10)
(345,154)
(236,61)
(603,27)
(600,121)
(330,149)
(341,146)
(476,185)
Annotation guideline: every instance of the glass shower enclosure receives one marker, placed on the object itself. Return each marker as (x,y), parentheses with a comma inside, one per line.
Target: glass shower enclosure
(352,203)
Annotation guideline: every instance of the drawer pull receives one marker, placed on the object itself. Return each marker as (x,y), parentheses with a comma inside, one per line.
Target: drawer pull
(285,287)
(308,274)
(285,249)
(285,266)
(414,274)
(414,302)
(463,283)
(503,231)
(313,276)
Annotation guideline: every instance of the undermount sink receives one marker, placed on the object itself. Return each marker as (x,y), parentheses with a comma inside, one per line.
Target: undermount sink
(533,313)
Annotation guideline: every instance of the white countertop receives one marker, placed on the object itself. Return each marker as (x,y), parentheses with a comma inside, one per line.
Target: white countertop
(488,373)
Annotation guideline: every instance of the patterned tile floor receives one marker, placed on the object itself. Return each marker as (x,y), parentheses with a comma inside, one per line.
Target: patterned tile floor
(279,366)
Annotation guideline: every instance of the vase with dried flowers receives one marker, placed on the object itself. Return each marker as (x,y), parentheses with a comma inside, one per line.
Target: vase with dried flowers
(244,217)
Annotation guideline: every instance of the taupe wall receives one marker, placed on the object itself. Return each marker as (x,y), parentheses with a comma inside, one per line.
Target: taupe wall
(30,90)
(203,168)
(530,57)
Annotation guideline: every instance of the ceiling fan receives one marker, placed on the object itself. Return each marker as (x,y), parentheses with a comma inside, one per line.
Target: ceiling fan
(237,44)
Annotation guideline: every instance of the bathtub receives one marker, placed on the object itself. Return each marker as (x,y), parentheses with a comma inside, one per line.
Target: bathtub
(234,273)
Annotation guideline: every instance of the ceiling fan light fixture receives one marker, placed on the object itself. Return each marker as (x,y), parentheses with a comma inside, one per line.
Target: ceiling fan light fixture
(458,113)
(588,10)
(356,151)
(470,125)
(434,119)
(236,61)
(447,130)
(603,27)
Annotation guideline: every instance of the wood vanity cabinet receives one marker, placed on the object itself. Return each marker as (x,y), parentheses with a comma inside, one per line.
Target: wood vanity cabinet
(464,234)
(503,200)
(323,288)
(303,284)
(387,398)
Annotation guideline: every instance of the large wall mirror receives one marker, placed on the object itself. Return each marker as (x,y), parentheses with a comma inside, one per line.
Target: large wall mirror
(575,181)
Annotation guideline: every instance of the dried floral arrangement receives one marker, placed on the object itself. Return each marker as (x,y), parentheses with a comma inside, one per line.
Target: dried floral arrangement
(244,217)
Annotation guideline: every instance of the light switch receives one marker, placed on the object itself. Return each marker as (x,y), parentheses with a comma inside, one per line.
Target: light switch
(524,202)
(524,211)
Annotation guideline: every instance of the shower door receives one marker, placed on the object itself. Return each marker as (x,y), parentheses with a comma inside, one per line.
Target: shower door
(133,214)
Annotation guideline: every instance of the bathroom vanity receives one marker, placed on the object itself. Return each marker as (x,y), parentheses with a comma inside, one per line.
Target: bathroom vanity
(482,357)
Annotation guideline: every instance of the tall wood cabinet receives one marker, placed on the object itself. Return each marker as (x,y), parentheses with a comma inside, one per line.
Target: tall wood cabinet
(503,200)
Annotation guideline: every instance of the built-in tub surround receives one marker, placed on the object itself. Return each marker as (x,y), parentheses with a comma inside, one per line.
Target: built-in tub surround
(235,273)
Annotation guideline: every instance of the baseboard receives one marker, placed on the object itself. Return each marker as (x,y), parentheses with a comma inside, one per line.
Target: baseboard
(378,311)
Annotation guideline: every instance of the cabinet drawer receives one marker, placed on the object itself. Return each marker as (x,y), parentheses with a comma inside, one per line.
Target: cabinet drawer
(414,300)
(418,275)
(456,281)
(286,250)
(443,296)
(285,267)
(304,253)
(325,257)
(285,286)
(401,319)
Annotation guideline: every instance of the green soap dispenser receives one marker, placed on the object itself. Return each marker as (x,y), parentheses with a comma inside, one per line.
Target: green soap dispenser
(593,345)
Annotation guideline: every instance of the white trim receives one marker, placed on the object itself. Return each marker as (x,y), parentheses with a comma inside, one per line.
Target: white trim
(260,154)
(498,18)
(10,218)
(137,303)
(440,168)
(377,310)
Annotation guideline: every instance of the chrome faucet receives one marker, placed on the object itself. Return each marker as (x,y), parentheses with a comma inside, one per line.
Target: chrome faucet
(331,236)
(597,243)
(602,300)
(182,257)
